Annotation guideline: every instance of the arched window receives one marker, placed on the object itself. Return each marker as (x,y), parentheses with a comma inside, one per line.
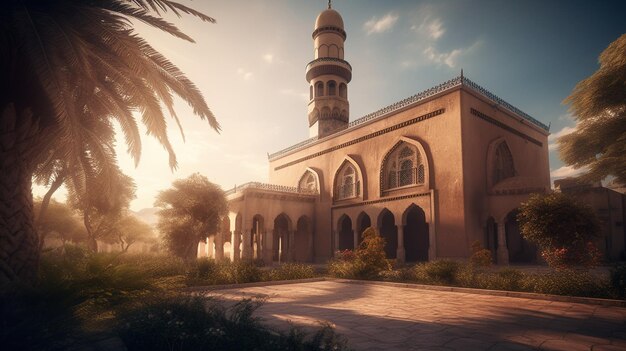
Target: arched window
(332,88)
(343,90)
(319,89)
(503,167)
(308,183)
(403,167)
(347,184)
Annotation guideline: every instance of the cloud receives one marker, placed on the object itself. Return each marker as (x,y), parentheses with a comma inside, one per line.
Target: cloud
(384,24)
(246,75)
(447,58)
(432,29)
(552,138)
(269,58)
(566,171)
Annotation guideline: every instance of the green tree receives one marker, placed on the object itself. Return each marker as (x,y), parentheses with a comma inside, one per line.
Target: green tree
(189,211)
(69,69)
(129,230)
(103,210)
(60,222)
(598,104)
(561,227)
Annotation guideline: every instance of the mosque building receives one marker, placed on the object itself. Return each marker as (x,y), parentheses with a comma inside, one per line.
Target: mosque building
(433,173)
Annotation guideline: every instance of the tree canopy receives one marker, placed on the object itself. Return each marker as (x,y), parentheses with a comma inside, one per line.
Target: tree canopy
(70,70)
(190,211)
(563,228)
(598,104)
(60,222)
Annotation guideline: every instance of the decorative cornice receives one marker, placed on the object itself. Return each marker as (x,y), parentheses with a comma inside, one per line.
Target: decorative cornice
(270,187)
(365,137)
(504,126)
(387,199)
(450,84)
(337,30)
(328,65)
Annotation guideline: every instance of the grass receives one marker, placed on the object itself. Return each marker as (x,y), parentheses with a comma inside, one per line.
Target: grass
(139,297)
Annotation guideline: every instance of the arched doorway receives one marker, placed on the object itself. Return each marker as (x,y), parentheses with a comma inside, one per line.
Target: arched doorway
(389,232)
(491,238)
(520,250)
(416,240)
(258,228)
(363,222)
(282,226)
(346,235)
(303,240)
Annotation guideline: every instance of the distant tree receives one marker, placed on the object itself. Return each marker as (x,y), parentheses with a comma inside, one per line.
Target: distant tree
(598,104)
(61,222)
(130,230)
(70,70)
(104,206)
(562,228)
(189,211)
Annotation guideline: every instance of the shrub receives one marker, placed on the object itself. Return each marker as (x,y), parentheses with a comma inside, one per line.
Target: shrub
(618,280)
(567,282)
(184,323)
(504,279)
(437,272)
(367,262)
(289,271)
(480,257)
(562,228)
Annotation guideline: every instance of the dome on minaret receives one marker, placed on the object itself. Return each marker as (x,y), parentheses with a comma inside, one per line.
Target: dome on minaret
(329,18)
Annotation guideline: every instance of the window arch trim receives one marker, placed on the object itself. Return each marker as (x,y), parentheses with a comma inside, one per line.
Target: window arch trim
(416,175)
(309,171)
(342,191)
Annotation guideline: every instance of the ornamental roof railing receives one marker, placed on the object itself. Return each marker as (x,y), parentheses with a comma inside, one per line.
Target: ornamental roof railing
(452,83)
(328,59)
(271,187)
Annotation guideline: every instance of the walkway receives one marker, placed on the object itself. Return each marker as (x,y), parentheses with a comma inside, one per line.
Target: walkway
(378,317)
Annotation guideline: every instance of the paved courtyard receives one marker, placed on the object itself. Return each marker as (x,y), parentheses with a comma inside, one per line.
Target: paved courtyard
(379,317)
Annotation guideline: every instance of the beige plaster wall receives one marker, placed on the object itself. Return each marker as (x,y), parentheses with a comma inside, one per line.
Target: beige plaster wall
(439,136)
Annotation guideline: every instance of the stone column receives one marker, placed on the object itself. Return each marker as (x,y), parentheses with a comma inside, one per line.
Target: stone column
(247,244)
(502,252)
(355,234)
(336,247)
(400,253)
(292,246)
(235,239)
(268,247)
(201,249)
(432,242)
(209,247)
(219,246)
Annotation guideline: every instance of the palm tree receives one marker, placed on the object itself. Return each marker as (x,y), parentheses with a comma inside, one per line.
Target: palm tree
(69,70)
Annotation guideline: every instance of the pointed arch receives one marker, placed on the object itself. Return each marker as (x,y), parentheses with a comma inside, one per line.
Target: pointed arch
(319,89)
(405,164)
(345,232)
(281,245)
(363,221)
(257,233)
(389,231)
(500,162)
(347,182)
(303,240)
(416,235)
(331,88)
(309,182)
(343,90)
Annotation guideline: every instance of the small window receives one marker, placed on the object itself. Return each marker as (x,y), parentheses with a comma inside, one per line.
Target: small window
(403,167)
(311,92)
(308,183)
(503,164)
(347,186)
(319,89)
(332,88)
(343,90)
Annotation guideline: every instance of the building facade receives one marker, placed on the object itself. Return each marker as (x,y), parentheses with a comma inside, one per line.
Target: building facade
(433,173)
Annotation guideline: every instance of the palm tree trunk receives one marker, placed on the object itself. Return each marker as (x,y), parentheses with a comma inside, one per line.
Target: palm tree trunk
(19,249)
(58,181)
(91,240)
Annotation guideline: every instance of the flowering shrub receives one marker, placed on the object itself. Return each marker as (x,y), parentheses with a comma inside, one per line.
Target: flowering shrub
(364,263)
(563,257)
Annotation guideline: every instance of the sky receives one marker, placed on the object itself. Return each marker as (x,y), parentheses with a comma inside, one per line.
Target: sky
(250,67)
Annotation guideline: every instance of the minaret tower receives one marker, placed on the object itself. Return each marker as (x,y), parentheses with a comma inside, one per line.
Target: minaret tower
(328,76)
